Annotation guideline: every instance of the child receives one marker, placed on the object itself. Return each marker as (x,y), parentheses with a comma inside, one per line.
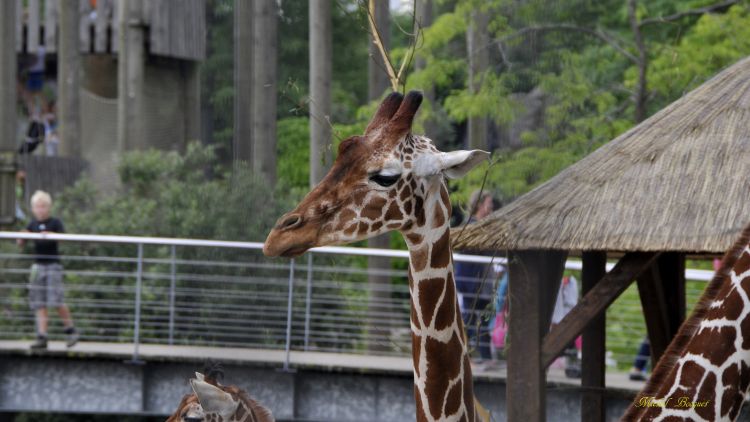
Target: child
(46,279)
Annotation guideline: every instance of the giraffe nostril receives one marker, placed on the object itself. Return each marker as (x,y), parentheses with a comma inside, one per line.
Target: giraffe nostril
(290,222)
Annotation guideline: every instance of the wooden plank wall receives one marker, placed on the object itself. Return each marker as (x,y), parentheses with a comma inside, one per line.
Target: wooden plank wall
(177,28)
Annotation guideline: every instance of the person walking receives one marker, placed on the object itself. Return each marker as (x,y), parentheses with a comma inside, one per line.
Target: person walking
(46,278)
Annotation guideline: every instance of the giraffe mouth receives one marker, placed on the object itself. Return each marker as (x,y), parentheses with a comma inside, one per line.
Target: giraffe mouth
(295,251)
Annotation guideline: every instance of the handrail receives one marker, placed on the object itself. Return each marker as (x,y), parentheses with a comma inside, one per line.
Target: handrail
(571,264)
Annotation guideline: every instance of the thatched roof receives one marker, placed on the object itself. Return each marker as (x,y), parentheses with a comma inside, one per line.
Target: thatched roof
(679,181)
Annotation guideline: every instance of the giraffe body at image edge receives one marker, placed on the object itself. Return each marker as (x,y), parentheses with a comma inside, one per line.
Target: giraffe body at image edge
(705,373)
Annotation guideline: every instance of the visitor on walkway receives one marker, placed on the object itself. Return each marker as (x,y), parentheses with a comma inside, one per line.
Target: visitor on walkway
(46,278)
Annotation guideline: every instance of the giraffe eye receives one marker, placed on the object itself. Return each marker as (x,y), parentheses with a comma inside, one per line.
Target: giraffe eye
(384,180)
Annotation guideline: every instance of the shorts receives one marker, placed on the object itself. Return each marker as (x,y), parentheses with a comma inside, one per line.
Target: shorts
(46,286)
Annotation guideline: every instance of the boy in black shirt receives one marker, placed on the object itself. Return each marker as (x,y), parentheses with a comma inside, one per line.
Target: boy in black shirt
(45,282)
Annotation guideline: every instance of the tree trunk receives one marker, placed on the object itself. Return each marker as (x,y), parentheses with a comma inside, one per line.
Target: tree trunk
(8,112)
(69,82)
(242,140)
(477,41)
(378,324)
(321,55)
(424,19)
(639,96)
(265,50)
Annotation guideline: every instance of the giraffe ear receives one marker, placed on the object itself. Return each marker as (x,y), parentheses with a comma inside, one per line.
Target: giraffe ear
(452,164)
(214,399)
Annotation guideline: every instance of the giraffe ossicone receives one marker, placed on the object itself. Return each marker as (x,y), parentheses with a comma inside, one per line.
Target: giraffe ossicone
(390,179)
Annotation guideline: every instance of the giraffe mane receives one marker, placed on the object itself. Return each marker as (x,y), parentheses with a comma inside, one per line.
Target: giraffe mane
(689,327)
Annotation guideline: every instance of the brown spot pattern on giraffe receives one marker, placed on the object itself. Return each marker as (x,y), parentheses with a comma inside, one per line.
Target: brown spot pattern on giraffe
(715,344)
(440,258)
(732,397)
(421,416)
(414,238)
(364,228)
(708,389)
(446,314)
(345,217)
(419,211)
(419,258)
(407,207)
(376,226)
(393,213)
(730,309)
(351,229)
(693,371)
(442,367)
(438,217)
(416,347)
(374,209)
(430,291)
(453,400)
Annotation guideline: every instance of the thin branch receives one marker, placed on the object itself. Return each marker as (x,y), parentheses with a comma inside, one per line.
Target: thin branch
(597,33)
(376,38)
(691,12)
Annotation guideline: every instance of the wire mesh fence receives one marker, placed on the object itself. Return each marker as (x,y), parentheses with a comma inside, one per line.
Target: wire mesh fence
(211,293)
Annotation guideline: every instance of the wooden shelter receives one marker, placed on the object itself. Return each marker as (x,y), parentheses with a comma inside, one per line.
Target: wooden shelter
(676,184)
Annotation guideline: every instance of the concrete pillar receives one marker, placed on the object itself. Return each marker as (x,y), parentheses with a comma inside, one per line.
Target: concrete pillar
(8,113)
(242,143)
(69,80)
(130,76)
(192,113)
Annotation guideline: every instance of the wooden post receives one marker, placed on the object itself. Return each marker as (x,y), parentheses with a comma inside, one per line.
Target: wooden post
(594,336)
(130,76)
(69,81)
(242,141)
(321,56)
(534,283)
(8,112)
(662,293)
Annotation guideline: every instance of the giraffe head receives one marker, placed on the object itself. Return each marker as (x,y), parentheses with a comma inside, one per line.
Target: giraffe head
(213,402)
(386,179)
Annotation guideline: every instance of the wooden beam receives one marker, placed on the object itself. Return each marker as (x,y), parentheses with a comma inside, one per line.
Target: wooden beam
(594,347)
(534,282)
(630,266)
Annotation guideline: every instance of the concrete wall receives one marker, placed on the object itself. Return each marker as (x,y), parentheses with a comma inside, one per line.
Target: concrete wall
(65,385)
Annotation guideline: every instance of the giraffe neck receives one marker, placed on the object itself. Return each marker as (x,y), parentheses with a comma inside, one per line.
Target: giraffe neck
(442,371)
(707,378)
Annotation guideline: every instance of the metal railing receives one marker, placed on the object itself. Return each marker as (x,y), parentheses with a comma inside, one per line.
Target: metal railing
(222,293)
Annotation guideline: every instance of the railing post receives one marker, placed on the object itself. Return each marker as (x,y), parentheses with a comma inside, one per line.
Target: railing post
(172,282)
(289,315)
(138,287)
(308,299)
